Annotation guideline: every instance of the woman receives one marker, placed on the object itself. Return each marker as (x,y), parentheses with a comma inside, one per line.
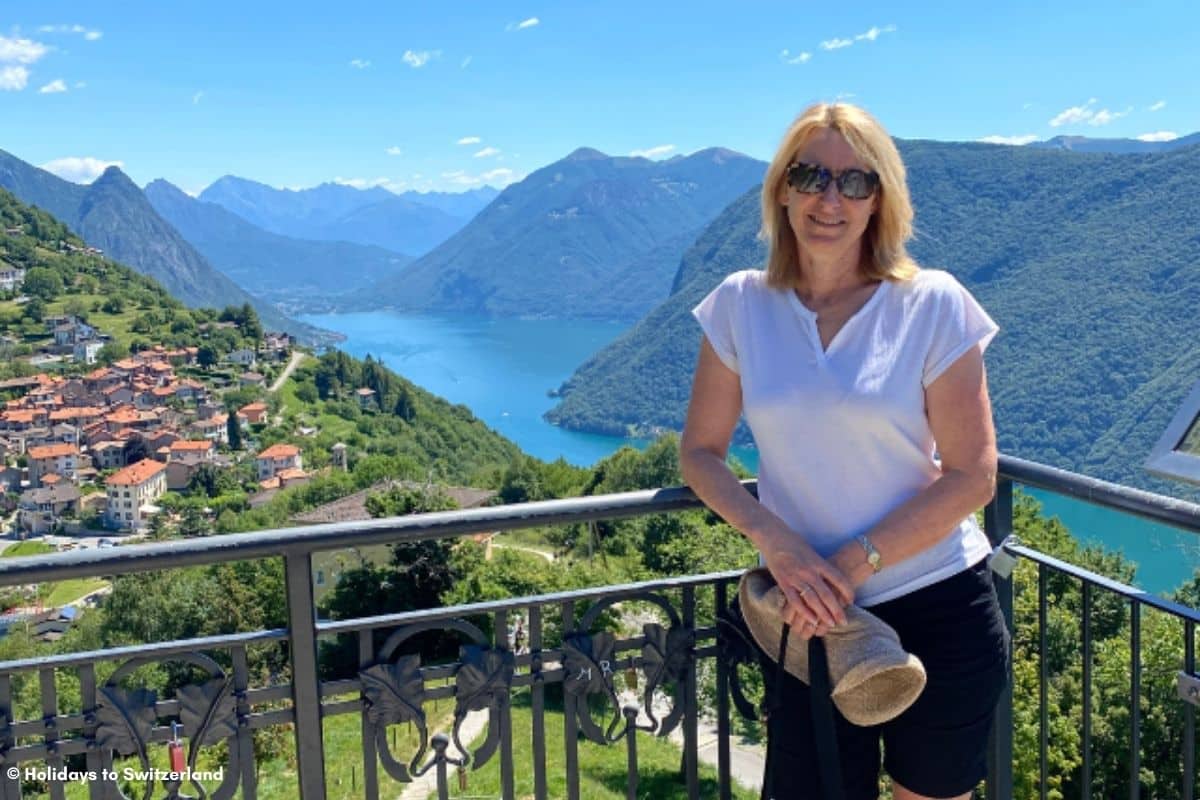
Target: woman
(853,366)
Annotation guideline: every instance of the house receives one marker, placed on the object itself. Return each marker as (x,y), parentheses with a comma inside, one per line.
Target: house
(277,458)
(252,379)
(190,390)
(11,277)
(213,428)
(108,454)
(86,352)
(132,492)
(23,419)
(245,357)
(285,478)
(185,458)
(366,398)
(59,458)
(39,510)
(253,413)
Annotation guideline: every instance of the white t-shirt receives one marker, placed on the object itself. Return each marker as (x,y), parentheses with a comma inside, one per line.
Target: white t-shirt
(841,433)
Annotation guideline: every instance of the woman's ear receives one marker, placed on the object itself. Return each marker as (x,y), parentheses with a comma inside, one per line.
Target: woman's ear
(782,194)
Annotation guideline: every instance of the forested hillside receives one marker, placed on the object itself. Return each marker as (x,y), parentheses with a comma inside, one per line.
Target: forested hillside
(1089,263)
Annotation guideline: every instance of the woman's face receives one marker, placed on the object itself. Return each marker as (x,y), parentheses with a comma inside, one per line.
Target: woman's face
(827,226)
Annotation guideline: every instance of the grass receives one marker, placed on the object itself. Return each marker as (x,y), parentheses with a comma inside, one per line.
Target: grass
(70,590)
(27,548)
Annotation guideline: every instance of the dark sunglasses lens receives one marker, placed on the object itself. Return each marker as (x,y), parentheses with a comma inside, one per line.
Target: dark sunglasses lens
(808,178)
(856,184)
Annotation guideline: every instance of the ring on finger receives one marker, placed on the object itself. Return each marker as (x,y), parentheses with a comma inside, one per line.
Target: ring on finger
(803,591)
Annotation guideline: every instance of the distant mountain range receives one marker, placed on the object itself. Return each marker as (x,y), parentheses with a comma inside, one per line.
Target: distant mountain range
(588,236)
(112,214)
(411,223)
(1089,262)
(1085,144)
(297,273)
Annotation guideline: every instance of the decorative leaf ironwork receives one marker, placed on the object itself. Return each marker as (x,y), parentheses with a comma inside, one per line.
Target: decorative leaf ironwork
(588,663)
(666,654)
(208,711)
(482,680)
(394,692)
(125,720)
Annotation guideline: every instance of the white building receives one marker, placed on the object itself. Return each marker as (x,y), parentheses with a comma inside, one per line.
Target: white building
(132,492)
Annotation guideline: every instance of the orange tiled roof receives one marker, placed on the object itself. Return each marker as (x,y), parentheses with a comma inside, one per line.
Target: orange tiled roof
(23,415)
(136,474)
(53,451)
(51,478)
(164,391)
(280,451)
(98,374)
(127,364)
(291,473)
(185,444)
(253,407)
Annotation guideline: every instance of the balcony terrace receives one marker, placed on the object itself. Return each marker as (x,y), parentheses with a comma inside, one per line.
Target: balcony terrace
(571,676)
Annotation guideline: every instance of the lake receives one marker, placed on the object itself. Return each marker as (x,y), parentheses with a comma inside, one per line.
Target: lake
(503,369)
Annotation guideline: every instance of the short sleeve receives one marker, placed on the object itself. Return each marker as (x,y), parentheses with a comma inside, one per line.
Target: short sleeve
(959,324)
(716,314)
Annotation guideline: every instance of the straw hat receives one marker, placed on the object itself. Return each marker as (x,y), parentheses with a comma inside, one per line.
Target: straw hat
(874,679)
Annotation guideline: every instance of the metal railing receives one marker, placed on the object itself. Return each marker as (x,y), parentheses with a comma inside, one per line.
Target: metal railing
(571,659)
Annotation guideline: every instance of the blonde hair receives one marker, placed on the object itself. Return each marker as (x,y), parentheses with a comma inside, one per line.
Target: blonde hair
(884,253)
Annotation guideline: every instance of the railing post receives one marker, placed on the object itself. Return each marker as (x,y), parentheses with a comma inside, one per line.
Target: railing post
(306,689)
(998,523)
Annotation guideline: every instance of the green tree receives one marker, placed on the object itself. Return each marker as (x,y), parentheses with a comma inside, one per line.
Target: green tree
(43,283)
(233,429)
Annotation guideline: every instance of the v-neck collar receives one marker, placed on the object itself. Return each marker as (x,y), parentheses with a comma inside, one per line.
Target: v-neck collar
(810,318)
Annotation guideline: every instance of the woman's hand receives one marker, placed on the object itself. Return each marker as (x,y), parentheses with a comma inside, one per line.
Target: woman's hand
(815,591)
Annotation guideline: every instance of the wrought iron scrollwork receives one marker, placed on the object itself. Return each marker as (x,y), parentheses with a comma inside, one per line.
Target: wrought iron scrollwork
(126,721)
(392,693)
(482,680)
(666,656)
(588,669)
(736,646)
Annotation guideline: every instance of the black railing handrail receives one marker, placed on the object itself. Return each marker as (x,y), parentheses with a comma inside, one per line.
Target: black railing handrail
(149,557)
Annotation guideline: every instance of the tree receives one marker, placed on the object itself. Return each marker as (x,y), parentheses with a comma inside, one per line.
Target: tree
(207,356)
(233,429)
(43,283)
(194,522)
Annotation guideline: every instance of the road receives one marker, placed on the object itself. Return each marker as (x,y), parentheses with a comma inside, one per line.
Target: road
(293,362)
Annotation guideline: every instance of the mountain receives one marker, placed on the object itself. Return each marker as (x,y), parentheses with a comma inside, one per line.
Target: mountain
(1084,144)
(588,236)
(406,223)
(1090,263)
(112,214)
(294,272)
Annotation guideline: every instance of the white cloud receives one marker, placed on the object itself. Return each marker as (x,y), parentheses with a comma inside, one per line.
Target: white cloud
(874,32)
(359,63)
(90,35)
(836,44)
(800,58)
(502,176)
(1104,116)
(394,151)
(197,97)
(83,169)
(466,62)
(487,151)
(1159,106)
(1158,136)
(653,152)
(1013,140)
(523,24)
(53,87)
(419,58)
(363,183)
(13,79)
(21,51)
(1074,114)
(469,140)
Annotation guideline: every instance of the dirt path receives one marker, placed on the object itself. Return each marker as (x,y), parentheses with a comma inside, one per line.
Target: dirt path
(293,362)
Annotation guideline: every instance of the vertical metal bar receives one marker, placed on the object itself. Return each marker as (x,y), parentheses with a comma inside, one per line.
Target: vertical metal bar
(723,759)
(1043,679)
(87,704)
(245,737)
(1135,699)
(691,714)
(997,520)
(50,717)
(366,657)
(507,777)
(11,787)
(1087,689)
(537,693)
(306,690)
(631,757)
(1189,713)
(570,730)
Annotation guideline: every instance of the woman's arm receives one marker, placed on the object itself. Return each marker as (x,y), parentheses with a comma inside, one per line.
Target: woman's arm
(960,416)
(716,404)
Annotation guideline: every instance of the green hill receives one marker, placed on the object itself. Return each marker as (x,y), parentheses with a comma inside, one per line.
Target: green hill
(1089,262)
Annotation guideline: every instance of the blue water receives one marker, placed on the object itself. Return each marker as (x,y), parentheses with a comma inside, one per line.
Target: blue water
(502,370)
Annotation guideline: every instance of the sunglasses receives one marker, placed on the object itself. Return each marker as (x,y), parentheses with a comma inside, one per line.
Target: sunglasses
(852,184)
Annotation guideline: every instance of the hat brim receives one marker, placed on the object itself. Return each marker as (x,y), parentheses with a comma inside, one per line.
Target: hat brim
(878,690)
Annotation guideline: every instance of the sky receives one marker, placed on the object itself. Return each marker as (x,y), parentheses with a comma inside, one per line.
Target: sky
(436,96)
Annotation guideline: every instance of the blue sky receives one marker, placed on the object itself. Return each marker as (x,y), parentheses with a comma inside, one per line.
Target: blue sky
(417,95)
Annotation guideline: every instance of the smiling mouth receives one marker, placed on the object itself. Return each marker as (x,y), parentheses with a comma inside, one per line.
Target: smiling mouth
(826,222)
